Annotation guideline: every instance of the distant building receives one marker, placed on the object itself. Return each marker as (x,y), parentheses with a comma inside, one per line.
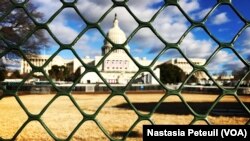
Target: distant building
(187,68)
(227,77)
(117,67)
(39,60)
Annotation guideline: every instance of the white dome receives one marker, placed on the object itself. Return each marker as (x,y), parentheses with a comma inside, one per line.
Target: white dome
(115,34)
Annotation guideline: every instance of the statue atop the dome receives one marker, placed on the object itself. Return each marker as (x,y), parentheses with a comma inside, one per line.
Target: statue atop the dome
(116,22)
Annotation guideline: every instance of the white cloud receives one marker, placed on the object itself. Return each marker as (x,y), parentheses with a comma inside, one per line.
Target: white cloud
(92,10)
(144,42)
(189,6)
(138,6)
(224,60)
(200,14)
(126,21)
(246,41)
(242,44)
(220,19)
(171,24)
(204,12)
(223,29)
(46,7)
(197,48)
(58,26)
(87,44)
(67,25)
(64,33)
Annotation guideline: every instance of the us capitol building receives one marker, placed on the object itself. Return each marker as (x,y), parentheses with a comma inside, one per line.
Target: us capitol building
(117,68)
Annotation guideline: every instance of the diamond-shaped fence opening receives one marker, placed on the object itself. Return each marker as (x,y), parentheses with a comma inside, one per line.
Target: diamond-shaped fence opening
(169,64)
(111,117)
(90,47)
(144,6)
(224,67)
(123,23)
(39,47)
(199,92)
(167,111)
(227,110)
(171,24)
(90,93)
(220,20)
(89,8)
(85,132)
(144,50)
(29,134)
(11,125)
(144,93)
(62,117)
(193,8)
(114,68)
(197,45)
(39,9)
(35,94)
(96,44)
(16,26)
(67,30)
(64,69)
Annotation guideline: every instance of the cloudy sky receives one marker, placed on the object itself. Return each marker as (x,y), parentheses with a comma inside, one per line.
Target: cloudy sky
(170,24)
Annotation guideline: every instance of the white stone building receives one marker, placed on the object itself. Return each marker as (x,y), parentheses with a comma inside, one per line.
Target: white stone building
(39,60)
(117,68)
(187,68)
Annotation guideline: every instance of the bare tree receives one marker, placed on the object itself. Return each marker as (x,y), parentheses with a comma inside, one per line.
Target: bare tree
(17,24)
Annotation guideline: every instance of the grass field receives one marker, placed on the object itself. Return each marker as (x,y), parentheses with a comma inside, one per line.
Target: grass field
(116,116)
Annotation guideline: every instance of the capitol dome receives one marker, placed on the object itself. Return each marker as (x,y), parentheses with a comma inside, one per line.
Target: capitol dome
(115,34)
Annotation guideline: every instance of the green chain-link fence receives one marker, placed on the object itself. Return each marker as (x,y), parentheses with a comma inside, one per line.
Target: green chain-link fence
(114,91)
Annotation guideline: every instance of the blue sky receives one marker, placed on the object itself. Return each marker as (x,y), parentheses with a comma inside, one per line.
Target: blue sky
(170,24)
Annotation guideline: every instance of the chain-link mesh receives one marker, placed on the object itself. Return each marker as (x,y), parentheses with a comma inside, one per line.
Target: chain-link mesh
(122,91)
